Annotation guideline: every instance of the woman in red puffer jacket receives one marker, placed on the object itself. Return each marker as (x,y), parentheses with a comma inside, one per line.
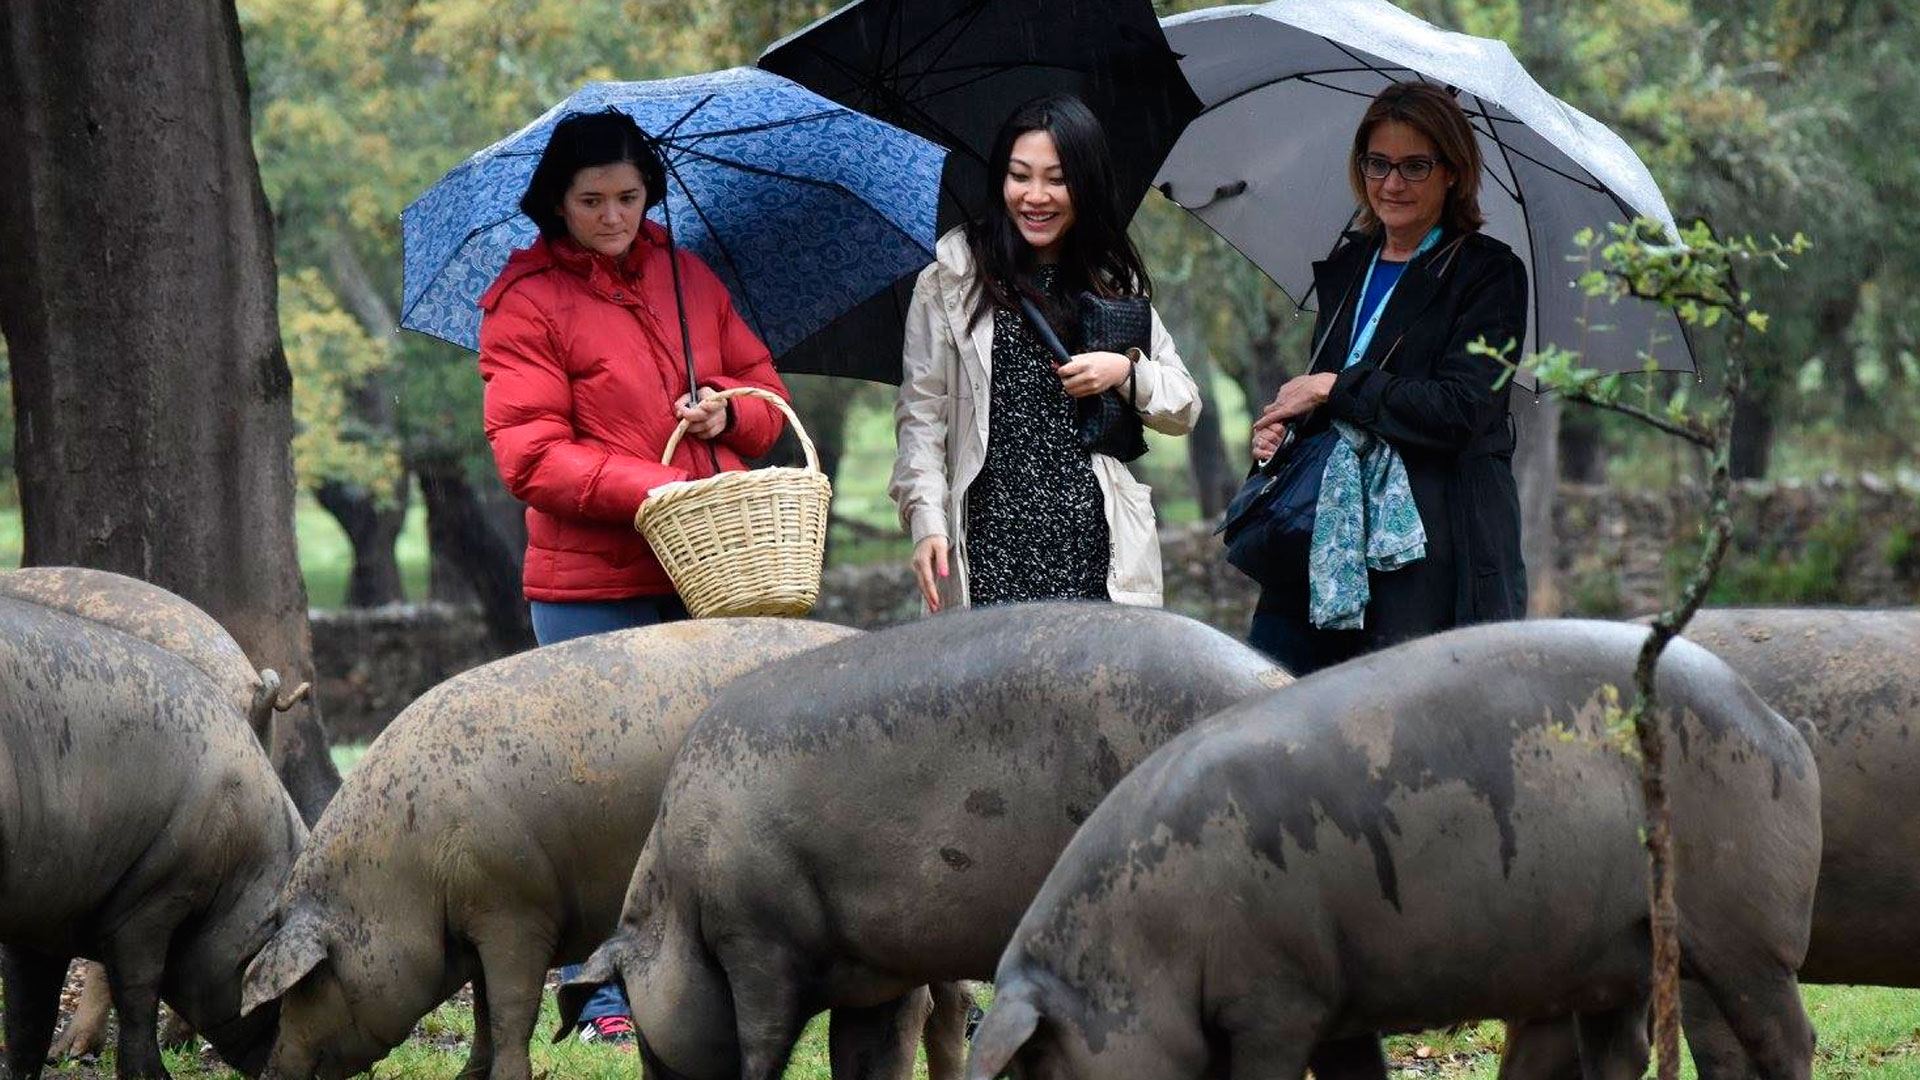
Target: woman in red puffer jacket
(586,379)
(581,352)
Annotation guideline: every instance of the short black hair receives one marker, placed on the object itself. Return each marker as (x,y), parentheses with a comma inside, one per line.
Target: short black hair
(583,141)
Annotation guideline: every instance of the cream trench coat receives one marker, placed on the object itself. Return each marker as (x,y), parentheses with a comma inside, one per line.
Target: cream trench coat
(940,429)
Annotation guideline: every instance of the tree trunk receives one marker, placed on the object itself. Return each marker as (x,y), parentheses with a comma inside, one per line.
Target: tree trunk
(458,529)
(372,528)
(138,299)
(1752,436)
(1582,452)
(1536,465)
(1215,477)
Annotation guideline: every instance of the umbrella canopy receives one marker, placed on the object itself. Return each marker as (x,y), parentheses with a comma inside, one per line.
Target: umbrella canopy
(1286,83)
(953,71)
(801,205)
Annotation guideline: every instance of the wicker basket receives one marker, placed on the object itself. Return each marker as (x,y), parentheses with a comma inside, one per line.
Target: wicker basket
(743,543)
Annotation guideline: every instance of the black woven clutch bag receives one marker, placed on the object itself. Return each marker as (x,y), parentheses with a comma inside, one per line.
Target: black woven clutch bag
(1115,324)
(1109,423)
(1106,423)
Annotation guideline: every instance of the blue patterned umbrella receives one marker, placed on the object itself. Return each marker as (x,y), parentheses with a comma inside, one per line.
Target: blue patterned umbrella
(803,207)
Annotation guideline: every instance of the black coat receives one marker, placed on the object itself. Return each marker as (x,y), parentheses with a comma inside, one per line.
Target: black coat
(1434,402)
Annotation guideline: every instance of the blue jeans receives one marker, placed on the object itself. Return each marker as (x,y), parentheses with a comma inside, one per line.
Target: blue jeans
(563,622)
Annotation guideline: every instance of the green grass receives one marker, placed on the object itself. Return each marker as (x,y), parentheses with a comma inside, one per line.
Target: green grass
(1866,1033)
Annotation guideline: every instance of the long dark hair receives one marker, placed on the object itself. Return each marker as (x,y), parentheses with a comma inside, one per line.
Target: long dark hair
(582,141)
(1095,253)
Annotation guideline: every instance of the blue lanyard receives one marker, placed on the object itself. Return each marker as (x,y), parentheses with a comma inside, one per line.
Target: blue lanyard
(1363,335)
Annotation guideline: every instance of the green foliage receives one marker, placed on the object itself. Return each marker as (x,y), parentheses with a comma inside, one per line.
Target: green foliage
(329,354)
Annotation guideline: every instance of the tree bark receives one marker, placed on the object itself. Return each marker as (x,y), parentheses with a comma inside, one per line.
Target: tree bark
(1211,464)
(1581,450)
(138,299)
(371,524)
(1536,465)
(458,529)
(371,527)
(1752,451)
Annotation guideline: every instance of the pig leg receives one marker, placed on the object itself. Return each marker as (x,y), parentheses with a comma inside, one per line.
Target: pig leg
(513,968)
(86,1030)
(1274,1036)
(945,1036)
(33,986)
(1349,1059)
(1717,1053)
(766,1002)
(1613,1045)
(877,1043)
(1544,1049)
(480,1058)
(1767,1017)
(134,962)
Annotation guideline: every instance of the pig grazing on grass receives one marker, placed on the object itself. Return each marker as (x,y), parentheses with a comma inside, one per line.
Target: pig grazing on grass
(842,828)
(1441,831)
(140,825)
(487,835)
(153,614)
(1854,678)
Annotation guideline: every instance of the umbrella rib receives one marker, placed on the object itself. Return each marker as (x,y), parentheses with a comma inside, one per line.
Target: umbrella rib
(726,253)
(761,170)
(1307,77)
(1526,226)
(680,142)
(971,16)
(733,266)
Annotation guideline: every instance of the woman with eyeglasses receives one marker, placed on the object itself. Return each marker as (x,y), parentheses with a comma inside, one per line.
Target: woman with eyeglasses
(1401,299)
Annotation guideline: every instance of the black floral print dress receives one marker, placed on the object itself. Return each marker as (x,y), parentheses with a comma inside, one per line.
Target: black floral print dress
(1036,521)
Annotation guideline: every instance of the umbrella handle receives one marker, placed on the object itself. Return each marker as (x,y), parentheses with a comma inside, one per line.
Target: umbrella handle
(806,442)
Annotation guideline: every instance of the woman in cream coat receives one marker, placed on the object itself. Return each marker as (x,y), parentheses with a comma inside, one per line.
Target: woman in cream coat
(1001,501)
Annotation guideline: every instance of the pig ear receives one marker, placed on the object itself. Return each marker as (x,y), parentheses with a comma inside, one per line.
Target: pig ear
(296,950)
(604,966)
(1007,1027)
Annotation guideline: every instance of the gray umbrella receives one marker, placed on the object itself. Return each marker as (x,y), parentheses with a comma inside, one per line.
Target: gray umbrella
(1284,85)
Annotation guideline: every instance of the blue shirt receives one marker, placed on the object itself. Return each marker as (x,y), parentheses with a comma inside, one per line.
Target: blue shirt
(1385,276)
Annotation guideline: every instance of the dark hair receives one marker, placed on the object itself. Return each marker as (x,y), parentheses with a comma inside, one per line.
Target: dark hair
(1434,113)
(1095,253)
(583,141)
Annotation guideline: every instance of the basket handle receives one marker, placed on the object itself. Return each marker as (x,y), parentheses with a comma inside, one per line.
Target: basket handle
(806,443)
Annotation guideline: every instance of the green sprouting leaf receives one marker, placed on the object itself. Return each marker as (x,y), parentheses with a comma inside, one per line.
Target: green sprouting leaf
(1757,320)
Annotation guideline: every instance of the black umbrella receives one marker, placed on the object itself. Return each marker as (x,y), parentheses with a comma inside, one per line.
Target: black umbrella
(952,71)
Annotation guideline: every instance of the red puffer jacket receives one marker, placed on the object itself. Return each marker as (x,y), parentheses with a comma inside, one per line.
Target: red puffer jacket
(582,360)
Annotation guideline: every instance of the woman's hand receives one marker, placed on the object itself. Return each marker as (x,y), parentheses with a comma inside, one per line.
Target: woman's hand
(1091,373)
(705,420)
(1266,440)
(1298,396)
(929,560)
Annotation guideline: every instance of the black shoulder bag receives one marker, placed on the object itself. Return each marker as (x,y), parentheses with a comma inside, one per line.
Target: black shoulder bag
(1268,527)
(1107,423)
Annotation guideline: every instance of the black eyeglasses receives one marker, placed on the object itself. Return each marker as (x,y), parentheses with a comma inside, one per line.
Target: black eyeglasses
(1412,170)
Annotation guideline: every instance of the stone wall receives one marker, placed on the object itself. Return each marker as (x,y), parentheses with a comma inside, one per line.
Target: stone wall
(1620,553)
(371,662)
